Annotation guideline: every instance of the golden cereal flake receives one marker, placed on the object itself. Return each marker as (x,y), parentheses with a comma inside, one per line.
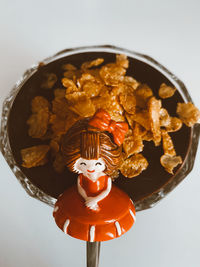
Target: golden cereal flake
(122,61)
(93,72)
(133,166)
(165,119)
(143,119)
(92,88)
(170,162)
(58,125)
(85,77)
(112,74)
(72,75)
(188,113)
(130,119)
(69,85)
(117,89)
(49,80)
(38,103)
(175,125)
(167,143)
(115,109)
(68,66)
(132,143)
(90,84)
(80,104)
(59,93)
(154,106)
(142,94)
(60,107)
(171,124)
(101,102)
(94,63)
(128,102)
(166,91)
(138,130)
(34,156)
(131,82)
(38,123)
(148,136)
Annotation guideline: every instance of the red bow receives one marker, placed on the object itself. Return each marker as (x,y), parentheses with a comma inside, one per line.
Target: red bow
(102,121)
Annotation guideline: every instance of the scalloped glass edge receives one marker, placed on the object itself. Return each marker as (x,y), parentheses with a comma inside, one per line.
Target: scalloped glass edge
(148,201)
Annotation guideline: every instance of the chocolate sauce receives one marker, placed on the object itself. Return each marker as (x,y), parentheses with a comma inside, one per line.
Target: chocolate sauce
(52,183)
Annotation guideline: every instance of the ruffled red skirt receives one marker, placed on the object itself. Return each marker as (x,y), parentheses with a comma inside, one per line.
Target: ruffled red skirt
(115,217)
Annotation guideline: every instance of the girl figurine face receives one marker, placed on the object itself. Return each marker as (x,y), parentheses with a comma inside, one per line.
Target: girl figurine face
(89,167)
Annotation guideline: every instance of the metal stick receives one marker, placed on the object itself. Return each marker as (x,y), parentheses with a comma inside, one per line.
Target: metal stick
(93,251)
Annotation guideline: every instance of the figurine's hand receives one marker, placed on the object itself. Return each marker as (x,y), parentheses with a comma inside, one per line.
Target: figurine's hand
(91,203)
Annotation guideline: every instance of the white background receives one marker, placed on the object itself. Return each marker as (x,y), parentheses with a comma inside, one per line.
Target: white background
(169,31)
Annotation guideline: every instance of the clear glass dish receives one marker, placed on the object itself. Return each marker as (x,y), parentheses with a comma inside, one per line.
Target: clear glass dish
(148,200)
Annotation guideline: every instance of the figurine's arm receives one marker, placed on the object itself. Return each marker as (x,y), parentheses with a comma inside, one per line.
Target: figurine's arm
(104,194)
(91,202)
(81,190)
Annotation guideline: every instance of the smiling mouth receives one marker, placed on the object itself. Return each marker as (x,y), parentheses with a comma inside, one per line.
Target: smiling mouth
(91,171)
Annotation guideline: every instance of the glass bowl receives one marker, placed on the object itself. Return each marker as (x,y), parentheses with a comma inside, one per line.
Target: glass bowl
(43,183)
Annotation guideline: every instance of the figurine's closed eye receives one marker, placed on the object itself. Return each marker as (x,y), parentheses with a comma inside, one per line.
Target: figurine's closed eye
(98,163)
(82,163)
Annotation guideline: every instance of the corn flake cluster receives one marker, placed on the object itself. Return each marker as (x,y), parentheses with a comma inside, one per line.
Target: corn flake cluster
(91,87)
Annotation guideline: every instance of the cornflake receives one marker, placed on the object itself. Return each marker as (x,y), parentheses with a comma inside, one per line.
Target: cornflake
(133,166)
(142,94)
(80,104)
(69,67)
(60,107)
(49,80)
(59,125)
(112,74)
(131,82)
(122,61)
(188,113)
(128,102)
(165,119)
(154,106)
(170,162)
(92,88)
(38,123)
(168,145)
(143,119)
(70,85)
(166,91)
(132,143)
(34,156)
(59,93)
(71,72)
(93,63)
(38,103)
(175,125)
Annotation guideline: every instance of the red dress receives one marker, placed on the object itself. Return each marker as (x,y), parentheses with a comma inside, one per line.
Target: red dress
(115,216)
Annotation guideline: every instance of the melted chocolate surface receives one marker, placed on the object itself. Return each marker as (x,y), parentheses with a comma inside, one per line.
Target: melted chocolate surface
(52,183)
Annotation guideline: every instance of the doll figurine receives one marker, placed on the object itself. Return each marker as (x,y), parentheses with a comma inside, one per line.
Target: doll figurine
(94,209)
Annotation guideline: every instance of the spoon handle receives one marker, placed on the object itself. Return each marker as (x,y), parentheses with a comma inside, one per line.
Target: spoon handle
(93,251)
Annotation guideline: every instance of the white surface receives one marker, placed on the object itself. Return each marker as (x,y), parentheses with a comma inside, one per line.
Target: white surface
(168,234)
